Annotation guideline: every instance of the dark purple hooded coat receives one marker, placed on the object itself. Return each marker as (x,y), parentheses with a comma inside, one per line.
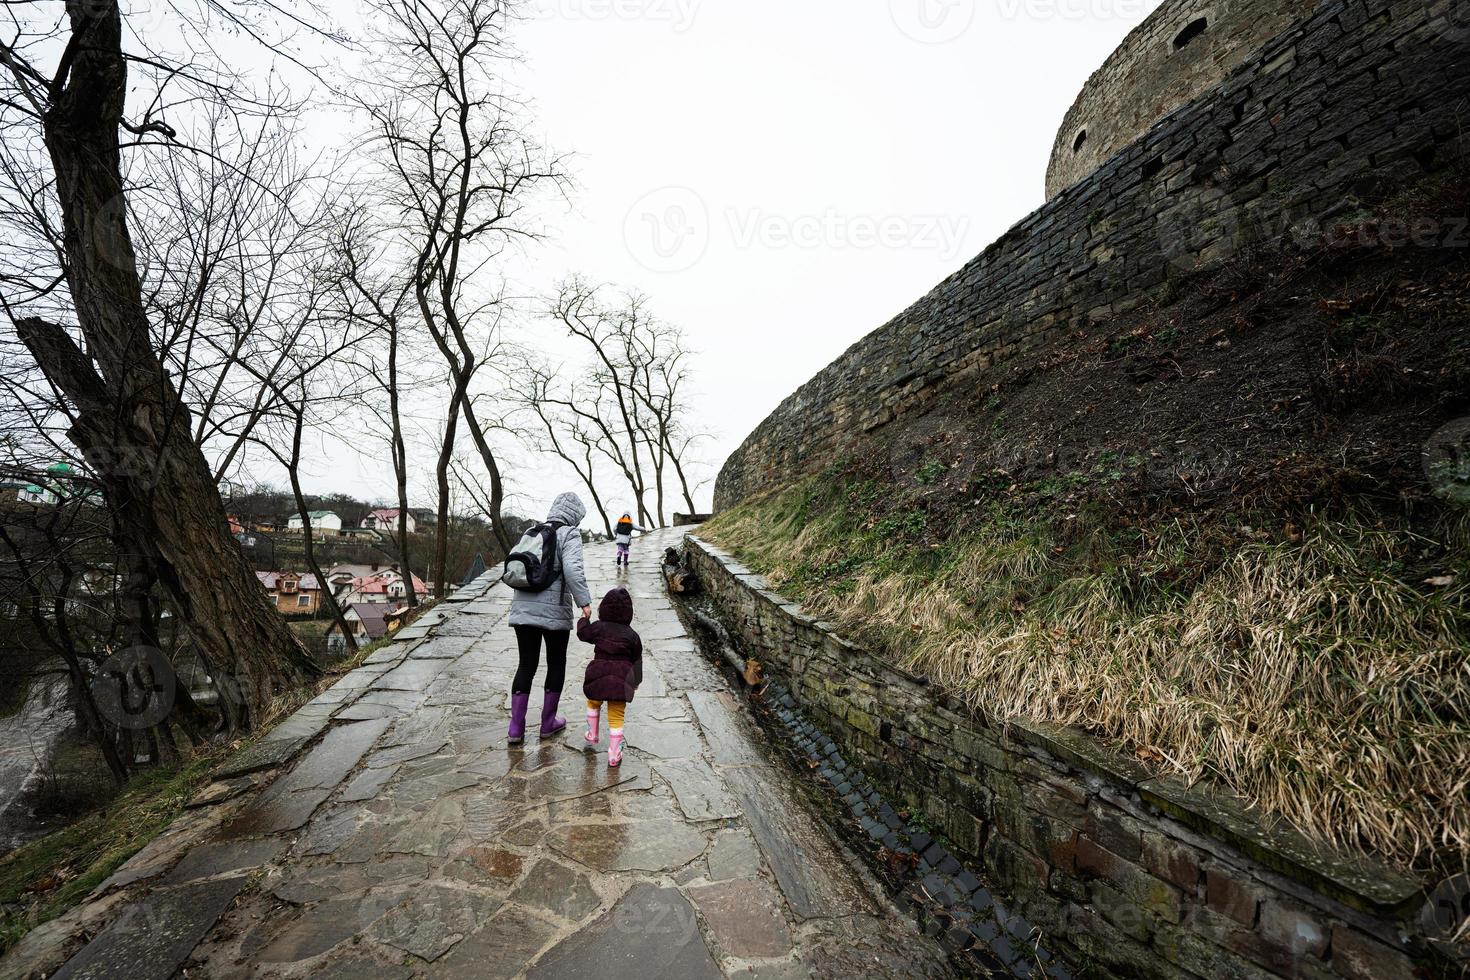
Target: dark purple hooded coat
(616,669)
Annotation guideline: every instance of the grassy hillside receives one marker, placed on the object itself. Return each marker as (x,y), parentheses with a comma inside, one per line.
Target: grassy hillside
(1224,531)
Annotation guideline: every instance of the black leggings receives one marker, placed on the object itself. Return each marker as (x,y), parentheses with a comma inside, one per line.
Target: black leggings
(528,638)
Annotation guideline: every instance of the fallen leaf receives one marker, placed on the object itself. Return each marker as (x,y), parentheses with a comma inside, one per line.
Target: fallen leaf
(1440,581)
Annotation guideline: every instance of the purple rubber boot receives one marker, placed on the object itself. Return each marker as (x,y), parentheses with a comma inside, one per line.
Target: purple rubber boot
(550,723)
(518,705)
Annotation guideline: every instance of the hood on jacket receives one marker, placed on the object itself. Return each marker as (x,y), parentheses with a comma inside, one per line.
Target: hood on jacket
(617,607)
(568,509)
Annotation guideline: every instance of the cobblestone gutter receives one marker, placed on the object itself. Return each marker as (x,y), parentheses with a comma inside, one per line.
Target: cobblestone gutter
(1137,875)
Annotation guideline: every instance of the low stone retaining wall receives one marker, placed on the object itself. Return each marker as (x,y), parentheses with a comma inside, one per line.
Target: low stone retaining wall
(1137,874)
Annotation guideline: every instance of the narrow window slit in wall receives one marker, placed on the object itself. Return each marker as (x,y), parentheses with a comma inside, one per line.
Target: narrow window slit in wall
(1191,31)
(1080,141)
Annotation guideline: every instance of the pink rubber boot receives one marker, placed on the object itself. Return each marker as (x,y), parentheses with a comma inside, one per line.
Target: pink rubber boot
(615,747)
(593,717)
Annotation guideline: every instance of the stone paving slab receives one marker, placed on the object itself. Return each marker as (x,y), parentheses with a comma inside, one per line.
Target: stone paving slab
(215,859)
(802,857)
(396,834)
(652,932)
(150,939)
(699,789)
(745,916)
(728,744)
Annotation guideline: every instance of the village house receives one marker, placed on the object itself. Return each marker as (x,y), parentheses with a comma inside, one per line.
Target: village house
(291,593)
(386,520)
(321,520)
(344,572)
(239,532)
(382,587)
(59,484)
(368,622)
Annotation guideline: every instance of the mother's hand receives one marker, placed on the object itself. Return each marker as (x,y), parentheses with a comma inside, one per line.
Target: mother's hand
(586,612)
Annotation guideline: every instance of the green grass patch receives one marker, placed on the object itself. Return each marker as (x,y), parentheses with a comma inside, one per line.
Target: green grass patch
(1314,666)
(45,878)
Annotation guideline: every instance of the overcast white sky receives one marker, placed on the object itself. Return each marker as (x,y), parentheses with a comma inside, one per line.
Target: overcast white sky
(783,176)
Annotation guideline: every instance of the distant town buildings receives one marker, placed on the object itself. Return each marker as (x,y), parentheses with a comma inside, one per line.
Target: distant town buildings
(371,584)
(60,483)
(292,593)
(299,593)
(367,622)
(386,520)
(321,520)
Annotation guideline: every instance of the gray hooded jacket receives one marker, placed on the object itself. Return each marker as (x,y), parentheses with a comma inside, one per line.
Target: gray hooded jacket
(551,609)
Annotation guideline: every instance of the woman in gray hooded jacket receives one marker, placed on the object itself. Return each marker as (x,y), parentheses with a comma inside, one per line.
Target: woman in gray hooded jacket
(548,616)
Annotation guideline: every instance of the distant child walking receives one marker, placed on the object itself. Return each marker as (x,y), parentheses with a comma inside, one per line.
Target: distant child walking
(616,669)
(623,535)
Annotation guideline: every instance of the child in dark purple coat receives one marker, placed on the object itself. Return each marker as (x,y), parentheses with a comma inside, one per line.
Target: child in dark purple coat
(616,669)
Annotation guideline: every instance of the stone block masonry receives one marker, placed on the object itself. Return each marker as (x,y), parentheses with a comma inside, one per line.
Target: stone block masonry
(1181,50)
(1361,91)
(1136,874)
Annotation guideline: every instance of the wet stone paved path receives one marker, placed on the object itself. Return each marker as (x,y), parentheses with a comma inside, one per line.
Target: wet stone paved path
(386,830)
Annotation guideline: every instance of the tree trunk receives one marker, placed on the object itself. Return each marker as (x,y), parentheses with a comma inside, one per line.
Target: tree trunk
(441,536)
(400,469)
(131,425)
(497,486)
(308,547)
(683,482)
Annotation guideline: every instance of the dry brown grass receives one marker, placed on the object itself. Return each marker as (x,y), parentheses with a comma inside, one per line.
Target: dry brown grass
(1304,674)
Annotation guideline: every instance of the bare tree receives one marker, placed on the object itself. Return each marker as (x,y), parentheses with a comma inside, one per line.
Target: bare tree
(323,380)
(294,415)
(456,172)
(579,308)
(658,375)
(631,407)
(559,429)
(383,302)
(124,410)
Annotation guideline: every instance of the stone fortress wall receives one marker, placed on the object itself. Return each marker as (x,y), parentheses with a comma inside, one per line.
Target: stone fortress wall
(1358,90)
(1183,49)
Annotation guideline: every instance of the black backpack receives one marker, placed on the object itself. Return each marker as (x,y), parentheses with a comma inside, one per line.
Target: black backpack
(532,563)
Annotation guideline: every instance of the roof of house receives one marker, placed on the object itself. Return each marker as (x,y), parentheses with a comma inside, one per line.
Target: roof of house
(370,585)
(386,514)
(315,515)
(476,569)
(375,584)
(272,580)
(375,617)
